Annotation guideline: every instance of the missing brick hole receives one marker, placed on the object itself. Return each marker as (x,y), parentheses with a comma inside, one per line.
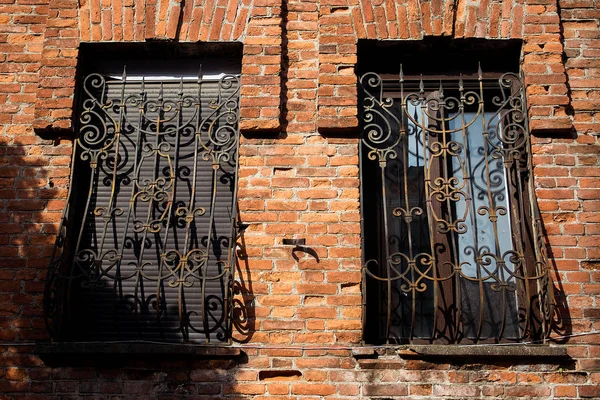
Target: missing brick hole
(283,375)
(339,9)
(346,69)
(283,172)
(546,87)
(590,264)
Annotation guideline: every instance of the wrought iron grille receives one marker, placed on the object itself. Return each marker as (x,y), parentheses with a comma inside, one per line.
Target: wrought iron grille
(453,251)
(145,247)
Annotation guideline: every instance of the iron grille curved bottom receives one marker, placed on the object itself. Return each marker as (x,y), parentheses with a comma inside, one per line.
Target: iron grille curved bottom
(145,246)
(453,251)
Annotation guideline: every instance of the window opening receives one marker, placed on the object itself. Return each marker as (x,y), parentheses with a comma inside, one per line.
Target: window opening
(452,249)
(145,247)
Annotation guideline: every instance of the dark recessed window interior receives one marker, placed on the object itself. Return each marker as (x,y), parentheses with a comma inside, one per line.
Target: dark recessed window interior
(146,247)
(451,251)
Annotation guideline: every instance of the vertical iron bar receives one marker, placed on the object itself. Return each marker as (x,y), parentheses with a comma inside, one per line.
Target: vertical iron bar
(427,164)
(492,210)
(412,265)
(534,217)
(134,185)
(228,300)
(108,216)
(362,242)
(387,251)
(191,210)
(230,274)
(485,157)
(450,208)
(150,209)
(470,204)
(216,157)
(169,211)
(118,126)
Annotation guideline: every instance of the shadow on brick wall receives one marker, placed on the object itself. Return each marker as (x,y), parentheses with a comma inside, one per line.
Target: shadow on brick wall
(561,319)
(33,186)
(243,314)
(561,325)
(33,191)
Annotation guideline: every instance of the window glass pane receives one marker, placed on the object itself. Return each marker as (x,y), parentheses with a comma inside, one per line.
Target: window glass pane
(480,158)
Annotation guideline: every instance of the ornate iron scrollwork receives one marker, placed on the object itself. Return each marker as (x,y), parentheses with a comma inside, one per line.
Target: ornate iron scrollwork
(453,248)
(146,240)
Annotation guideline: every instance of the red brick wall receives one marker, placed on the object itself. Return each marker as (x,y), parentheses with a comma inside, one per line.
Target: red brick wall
(298,176)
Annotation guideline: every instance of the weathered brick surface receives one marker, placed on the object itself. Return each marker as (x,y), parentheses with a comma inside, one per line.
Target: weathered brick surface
(299,85)
(69,23)
(342,23)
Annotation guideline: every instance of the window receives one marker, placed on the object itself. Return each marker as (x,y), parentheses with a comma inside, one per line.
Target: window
(145,249)
(452,244)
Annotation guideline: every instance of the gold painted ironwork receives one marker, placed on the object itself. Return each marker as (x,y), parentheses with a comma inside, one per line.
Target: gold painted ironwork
(145,245)
(453,249)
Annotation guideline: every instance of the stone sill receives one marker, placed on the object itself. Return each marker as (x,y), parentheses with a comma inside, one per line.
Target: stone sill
(139,348)
(466,351)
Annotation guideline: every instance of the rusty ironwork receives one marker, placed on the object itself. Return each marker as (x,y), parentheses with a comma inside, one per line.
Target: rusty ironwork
(145,245)
(453,248)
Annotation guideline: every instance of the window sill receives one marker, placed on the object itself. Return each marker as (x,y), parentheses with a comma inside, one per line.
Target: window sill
(516,351)
(130,348)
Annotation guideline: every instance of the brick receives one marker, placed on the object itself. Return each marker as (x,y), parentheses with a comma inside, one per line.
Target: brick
(245,389)
(399,389)
(587,391)
(312,389)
